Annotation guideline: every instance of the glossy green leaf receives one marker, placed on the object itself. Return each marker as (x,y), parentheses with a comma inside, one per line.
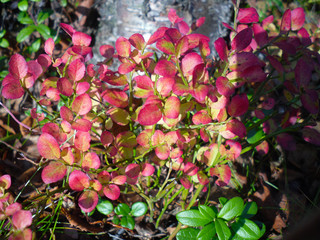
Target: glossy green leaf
(139,209)
(128,222)
(35,45)
(2,33)
(4,1)
(44,31)
(207,211)
(116,220)
(246,229)
(105,207)
(255,135)
(208,232)
(23,5)
(223,200)
(43,15)
(250,209)
(231,209)
(4,43)
(187,234)
(24,18)
(222,229)
(122,209)
(193,218)
(25,33)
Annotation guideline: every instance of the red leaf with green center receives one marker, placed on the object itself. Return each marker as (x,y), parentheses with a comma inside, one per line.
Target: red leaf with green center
(254,74)
(82,125)
(190,169)
(223,173)
(67,155)
(5,181)
(91,160)
(48,146)
(137,41)
(78,180)
(66,114)
(123,47)
(224,87)
(164,85)
(170,122)
(82,104)
(173,35)
(82,141)
(165,68)
(107,51)
(234,128)
(242,40)
(243,60)
(116,97)
(81,39)
(303,73)
(147,169)
(133,170)
(119,116)
(18,67)
(203,178)
(116,80)
(234,149)
(248,15)
(88,201)
(144,87)
(185,182)
(159,33)
(182,46)
(127,67)
(149,114)
(221,48)
(163,152)
(82,87)
(297,18)
(112,191)
(22,219)
(310,135)
(106,138)
(166,46)
(239,105)
(286,21)
(195,38)
(310,101)
(189,62)
(157,138)
(53,172)
(126,139)
(144,137)
(172,107)
(201,117)
(119,180)
(200,92)
(204,48)
(76,70)
(49,46)
(12,90)
(65,87)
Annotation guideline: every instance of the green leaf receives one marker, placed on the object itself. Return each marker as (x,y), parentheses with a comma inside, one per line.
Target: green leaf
(255,135)
(139,209)
(2,33)
(193,218)
(262,227)
(23,5)
(4,43)
(250,209)
(105,207)
(64,3)
(43,15)
(116,220)
(207,211)
(25,33)
(187,234)
(24,18)
(35,45)
(208,232)
(223,200)
(4,1)
(122,209)
(246,229)
(128,222)
(222,229)
(44,31)
(231,209)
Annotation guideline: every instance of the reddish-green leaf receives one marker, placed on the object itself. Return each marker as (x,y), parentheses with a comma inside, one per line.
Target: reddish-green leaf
(239,105)
(65,87)
(112,191)
(234,128)
(91,160)
(126,67)
(166,46)
(133,170)
(223,173)
(76,70)
(88,201)
(48,146)
(21,220)
(106,138)
(81,39)
(53,172)
(149,114)
(119,116)
(116,97)
(147,169)
(201,117)
(123,47)
(224,87)
(221,48)
(82,125)
(78,180)
(82,141)
(189,62)
(66,114)
(157,35)
(107,51)
(164,85)
(137,41)
(172,107)
(165,68)
(82,104)
(18,66)
(5,181)
(126,139)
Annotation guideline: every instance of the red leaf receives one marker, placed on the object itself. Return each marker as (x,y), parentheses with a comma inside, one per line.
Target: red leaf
(310,101)
(54,130)
(88,201)
(106,138)
(78,180)
(234,128)
(107,51)
(48,146)
(5,181)
(200,92)
(287,141)
(224,87)
(241,61)
(183,27)
(173,17)
(144,137)
(82,87)
(12,90)
(190,169)
(182,46)
(65,86)
(53,172)
(116,97)
(76,70)
(147,169)
(166,46)
(82,125)
(260,35)
(149,114)
(239,105)
(203,178)
(81,39)
(123,47)
(185,182)
(91,160)
(82,141)
(286,21)
(82,104)
(165,68)
(159,33)
(66,114)
(303,73)
(311,135)
(248,15)
(297,18)
(201,117)
(163,152)
(172,107)
(137,41)
(112,191)
(18,67)
(164,85)
(223,173)
(119,180)
(242,40)
(173,35)
(67,28)
(22,219)
(133,170)
(195,38)
(49,46)
(234,149)
(189,62)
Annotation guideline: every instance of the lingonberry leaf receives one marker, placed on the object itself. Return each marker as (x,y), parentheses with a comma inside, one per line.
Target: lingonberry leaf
(233,208)
(22,219)
(286,21)
(76,70)
(116,97)
(297,18)
(193,218)
(82,141)
(48,146)
(139,209)
(88,201)
(49,46)
(65,87)
(106,138)
(53,172)
(189,62)
(149,114)
(165,68)
(239,105)
(78,180)
(111,191)
(248,15)
(82,104)
(223,173)
(242,40)
(172,107)
(18,67)
(123,47)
